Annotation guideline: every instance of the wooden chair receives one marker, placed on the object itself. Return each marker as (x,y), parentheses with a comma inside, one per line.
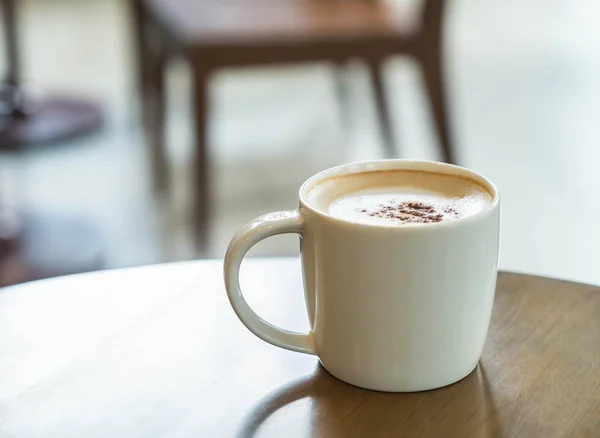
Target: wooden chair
(213,34)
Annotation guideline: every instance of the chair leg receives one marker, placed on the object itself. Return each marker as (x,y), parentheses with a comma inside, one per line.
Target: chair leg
(342,94)
(433,76)
(375,72)
(150,66)
(155,125)
(140,48)
(201,188)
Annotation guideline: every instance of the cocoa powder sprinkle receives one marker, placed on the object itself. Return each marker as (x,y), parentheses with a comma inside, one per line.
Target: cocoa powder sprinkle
(410,212)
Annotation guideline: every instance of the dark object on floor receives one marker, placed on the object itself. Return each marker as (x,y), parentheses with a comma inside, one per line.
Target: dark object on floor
(57,119)
(235,33)
(49,246)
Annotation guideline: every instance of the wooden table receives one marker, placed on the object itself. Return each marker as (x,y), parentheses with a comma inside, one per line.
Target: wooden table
(158,352)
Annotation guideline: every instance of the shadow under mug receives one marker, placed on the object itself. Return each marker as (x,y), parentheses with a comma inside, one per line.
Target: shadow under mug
(391,308)
(338,410)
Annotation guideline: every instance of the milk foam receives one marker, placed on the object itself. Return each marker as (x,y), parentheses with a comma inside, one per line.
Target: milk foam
(400,197)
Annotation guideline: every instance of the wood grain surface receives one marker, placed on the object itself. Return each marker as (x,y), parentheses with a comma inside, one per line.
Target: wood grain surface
(158,352)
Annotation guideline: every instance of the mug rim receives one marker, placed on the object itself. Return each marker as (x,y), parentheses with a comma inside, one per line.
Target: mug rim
(400,164)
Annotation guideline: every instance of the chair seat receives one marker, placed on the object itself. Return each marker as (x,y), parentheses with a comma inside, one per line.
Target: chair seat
(195,23)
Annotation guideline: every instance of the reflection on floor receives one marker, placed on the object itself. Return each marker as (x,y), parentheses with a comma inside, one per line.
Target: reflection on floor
(525,91)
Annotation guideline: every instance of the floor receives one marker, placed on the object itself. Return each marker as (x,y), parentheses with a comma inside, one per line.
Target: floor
(525,95)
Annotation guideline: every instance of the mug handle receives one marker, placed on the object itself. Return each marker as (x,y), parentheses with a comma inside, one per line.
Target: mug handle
(271,224)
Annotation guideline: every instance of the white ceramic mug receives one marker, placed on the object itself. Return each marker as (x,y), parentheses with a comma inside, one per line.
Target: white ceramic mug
(390,308)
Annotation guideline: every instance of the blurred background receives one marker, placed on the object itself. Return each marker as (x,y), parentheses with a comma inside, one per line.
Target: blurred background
(80,187)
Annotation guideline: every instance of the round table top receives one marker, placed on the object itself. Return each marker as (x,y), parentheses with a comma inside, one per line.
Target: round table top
(158,352)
